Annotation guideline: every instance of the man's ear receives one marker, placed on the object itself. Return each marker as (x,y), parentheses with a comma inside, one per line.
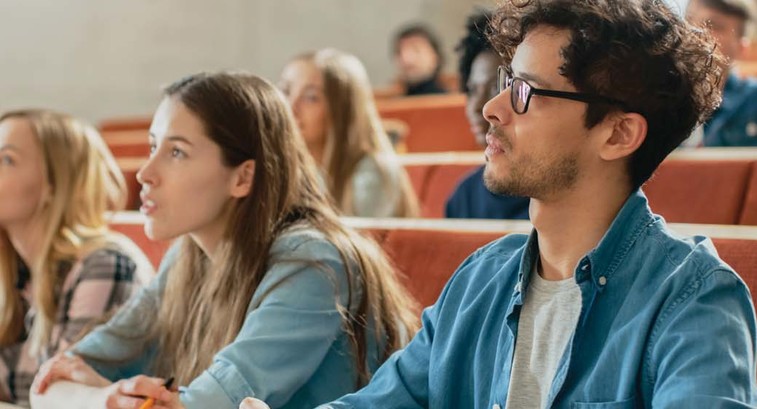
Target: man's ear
(243,176)
(628,133)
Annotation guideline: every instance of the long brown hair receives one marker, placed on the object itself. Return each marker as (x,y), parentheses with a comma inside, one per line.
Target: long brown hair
(249,119)
(356,132)
(85,182)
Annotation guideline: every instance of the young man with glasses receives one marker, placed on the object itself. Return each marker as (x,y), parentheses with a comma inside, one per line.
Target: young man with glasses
(601,306)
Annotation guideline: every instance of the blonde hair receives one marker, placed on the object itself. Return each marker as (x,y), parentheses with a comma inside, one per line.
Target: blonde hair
(84,182)
(249,119)
(356,131)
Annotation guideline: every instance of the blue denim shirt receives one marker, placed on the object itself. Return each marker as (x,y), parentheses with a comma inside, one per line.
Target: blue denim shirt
(664,323)
(291,351)
(734,123)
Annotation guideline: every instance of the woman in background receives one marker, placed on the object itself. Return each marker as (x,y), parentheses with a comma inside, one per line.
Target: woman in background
(267,294)
(333,104)
(60,266)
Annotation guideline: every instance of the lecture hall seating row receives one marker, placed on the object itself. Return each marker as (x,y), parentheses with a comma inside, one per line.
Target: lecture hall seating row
(705,185)
(435,123)
(426,252)
(709,186)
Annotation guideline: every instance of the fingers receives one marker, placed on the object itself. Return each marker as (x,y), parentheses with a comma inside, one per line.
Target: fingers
(117,401)
(68,367)
(57,367)
(252,403)
(145,386)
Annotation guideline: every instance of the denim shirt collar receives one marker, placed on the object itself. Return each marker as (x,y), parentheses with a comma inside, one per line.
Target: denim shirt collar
(600,263)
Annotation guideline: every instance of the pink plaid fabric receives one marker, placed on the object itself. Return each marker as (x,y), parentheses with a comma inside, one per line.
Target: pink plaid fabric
(93,287)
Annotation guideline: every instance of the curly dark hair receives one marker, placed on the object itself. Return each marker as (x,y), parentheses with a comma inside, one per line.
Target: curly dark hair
(635,51)
(475,42)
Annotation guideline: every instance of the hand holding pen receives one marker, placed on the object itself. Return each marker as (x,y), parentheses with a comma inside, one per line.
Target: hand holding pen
(151,401)
(143,392)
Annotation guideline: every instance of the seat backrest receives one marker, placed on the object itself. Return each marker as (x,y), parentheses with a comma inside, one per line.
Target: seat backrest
(127,142)
(440,184)
(749,209)
(436,123)
(418,175)
(697,191)
(427,258)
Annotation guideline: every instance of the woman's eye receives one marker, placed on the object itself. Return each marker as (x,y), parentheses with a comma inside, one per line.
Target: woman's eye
(177,153)
(311,97)
(6,160)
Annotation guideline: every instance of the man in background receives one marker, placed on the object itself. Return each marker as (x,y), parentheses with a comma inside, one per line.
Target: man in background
(734,123)
(478,79)
(419,59)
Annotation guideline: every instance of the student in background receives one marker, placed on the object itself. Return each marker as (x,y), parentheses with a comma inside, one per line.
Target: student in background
(266,294)
(478,77)
(332,102)
(419,60)
(60,266)
(734,123)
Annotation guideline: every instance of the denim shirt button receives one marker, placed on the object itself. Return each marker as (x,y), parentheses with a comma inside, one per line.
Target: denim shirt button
(496,406)
(517,287)
(602,280)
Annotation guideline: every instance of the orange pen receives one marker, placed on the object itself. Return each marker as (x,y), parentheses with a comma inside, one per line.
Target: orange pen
(149,402)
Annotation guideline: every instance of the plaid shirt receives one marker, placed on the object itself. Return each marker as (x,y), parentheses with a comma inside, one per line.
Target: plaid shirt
(94,286)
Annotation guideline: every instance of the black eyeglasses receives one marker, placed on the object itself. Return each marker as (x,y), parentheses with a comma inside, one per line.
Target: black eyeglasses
(522,91)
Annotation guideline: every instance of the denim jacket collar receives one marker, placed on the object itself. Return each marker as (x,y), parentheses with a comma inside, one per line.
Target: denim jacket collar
(600,263)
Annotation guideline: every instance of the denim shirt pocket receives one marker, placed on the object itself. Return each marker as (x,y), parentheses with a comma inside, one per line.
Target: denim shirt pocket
(629,403)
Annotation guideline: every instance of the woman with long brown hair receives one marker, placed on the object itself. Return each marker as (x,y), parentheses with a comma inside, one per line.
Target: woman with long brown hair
(60,266)
(333,104)
(267,293)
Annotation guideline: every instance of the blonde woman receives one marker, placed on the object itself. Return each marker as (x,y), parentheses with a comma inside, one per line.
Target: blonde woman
(267,295)
(60,267)
(332,101)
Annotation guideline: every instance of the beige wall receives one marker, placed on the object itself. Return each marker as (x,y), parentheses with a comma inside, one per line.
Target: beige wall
(100,59)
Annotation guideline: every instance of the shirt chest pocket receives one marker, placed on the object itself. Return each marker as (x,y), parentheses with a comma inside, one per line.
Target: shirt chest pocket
(629,403)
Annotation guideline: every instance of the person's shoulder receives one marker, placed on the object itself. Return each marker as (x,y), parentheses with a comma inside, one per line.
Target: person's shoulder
(104,262)
(492,269)
(108,258)
(687,259)
(473,179)
(469,183)
(748,83)
(504,247)
(303,241)
(489,258)
(746,87)
(121,249)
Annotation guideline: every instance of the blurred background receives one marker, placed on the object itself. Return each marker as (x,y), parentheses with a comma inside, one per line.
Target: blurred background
(101,59)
